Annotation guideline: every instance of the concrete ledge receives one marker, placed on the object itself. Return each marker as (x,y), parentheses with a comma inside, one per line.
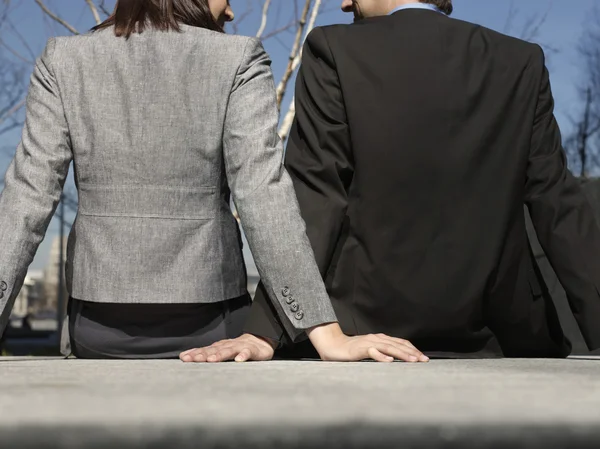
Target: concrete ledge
(168,404)
(340,437)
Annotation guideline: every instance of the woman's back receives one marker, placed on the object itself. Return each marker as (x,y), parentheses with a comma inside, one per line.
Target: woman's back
(145,116)
(148,110)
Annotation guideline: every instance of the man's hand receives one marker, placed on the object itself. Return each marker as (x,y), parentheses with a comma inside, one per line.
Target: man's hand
(241,349)
(379,347)
(333,345)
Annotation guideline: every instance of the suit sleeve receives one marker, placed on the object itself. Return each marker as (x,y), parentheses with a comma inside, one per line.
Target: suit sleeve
(563,218)
(264,196)
(34,181)
(319,161)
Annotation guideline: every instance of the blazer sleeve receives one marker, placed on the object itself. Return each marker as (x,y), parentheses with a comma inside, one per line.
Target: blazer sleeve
(563,218)
(34,181)
(264,197)
(319,161)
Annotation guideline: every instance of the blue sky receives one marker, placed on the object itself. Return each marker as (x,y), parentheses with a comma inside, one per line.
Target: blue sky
(561,31)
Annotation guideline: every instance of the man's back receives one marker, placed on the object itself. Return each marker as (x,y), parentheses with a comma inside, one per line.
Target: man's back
(418,139)
(437,110)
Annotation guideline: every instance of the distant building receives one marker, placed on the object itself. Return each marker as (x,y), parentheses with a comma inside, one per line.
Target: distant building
(29,299)
(51,275)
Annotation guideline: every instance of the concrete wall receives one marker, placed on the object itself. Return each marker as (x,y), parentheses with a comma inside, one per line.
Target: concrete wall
(592,191)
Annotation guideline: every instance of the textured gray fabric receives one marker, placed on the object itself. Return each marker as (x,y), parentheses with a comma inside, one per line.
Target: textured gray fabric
(160,127)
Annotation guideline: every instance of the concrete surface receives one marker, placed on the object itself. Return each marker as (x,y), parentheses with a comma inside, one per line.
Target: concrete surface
(167,404)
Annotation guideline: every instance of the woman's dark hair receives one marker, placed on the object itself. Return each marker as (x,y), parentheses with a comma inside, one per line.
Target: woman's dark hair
(133,16)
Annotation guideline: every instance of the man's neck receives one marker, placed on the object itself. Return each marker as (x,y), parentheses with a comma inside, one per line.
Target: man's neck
(394,4)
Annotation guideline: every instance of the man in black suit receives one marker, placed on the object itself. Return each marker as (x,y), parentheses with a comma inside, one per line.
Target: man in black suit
(417,141)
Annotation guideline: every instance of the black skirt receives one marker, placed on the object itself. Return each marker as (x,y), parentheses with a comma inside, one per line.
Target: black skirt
(151,331)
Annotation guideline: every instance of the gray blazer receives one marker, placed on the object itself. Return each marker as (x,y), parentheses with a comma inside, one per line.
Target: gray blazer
(161,128)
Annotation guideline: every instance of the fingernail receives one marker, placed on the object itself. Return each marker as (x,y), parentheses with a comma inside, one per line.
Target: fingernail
(424,358)
(412,358)
(390,359)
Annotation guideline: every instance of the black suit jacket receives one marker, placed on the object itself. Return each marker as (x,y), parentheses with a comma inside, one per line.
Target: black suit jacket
(417,141)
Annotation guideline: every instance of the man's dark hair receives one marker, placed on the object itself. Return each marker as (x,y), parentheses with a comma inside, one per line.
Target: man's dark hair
(133,16)
(444,5)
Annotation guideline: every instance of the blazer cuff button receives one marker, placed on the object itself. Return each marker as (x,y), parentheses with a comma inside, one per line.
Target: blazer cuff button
(286,292)
(299,315)
(3,286)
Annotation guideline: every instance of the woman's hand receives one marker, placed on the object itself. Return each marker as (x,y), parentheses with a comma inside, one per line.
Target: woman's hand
(241,349)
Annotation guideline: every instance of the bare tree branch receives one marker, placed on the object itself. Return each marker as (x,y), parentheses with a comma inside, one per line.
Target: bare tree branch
(17,33)
(278,31)
(94,11)
(103,8)
(281,88)
(16,53)
(288,121)
(311,24)
(530,30)
(532,27)
(10,127)
(56,18)
(583,146)
(12,111)
(12,94)
(5,11)
(286,125)
(263,22)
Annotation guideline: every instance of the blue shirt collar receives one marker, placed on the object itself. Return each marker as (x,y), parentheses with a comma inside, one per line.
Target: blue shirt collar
(417,6)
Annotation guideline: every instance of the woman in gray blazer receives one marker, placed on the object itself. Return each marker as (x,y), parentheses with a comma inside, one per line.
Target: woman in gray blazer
(164,116)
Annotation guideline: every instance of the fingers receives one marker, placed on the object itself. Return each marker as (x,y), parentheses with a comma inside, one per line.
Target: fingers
(214,345)
(396,340)
(187,357)
(202,354)
(198,354)
(400,341)
(399,352)
(184,353)
(224,354)
(235,350)
(378,356)
(244,355)
(213,354)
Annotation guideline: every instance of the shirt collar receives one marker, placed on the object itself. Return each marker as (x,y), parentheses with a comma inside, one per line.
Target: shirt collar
(417,6)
